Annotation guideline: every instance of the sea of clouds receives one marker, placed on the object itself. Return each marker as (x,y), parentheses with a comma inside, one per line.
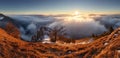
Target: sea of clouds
(95,24)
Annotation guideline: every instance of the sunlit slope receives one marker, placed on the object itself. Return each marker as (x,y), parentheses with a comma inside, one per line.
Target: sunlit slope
(104,47)
(11,47)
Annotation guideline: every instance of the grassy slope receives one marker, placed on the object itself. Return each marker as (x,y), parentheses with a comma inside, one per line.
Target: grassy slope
(105,47)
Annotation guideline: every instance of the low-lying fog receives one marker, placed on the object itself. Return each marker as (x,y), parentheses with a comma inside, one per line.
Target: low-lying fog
(76,26)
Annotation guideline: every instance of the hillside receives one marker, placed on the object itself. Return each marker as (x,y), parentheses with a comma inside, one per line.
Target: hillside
(104,47)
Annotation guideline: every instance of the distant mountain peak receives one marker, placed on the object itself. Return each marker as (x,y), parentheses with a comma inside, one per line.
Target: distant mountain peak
(1,14)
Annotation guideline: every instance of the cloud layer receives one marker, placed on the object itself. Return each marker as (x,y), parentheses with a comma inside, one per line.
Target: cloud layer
(80,27)
(28,24)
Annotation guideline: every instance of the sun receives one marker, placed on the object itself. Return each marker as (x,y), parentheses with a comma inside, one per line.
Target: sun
(77,13)
(77,17)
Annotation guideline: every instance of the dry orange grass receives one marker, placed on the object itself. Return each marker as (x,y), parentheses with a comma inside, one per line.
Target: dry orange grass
(104,47)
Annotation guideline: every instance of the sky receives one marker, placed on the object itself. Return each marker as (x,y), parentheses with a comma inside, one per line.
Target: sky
(59,6)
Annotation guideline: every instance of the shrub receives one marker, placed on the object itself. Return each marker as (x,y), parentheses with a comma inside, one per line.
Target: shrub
(40,35)
(56,32)
(12,30)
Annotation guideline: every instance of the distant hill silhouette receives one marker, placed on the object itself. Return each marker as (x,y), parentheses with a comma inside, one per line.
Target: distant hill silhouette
(5,20)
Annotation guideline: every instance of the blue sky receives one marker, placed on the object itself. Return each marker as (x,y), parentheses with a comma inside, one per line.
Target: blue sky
(58,6)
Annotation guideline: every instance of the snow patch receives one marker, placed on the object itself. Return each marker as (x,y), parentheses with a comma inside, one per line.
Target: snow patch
(1,18)
(105,44)
(46,39)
